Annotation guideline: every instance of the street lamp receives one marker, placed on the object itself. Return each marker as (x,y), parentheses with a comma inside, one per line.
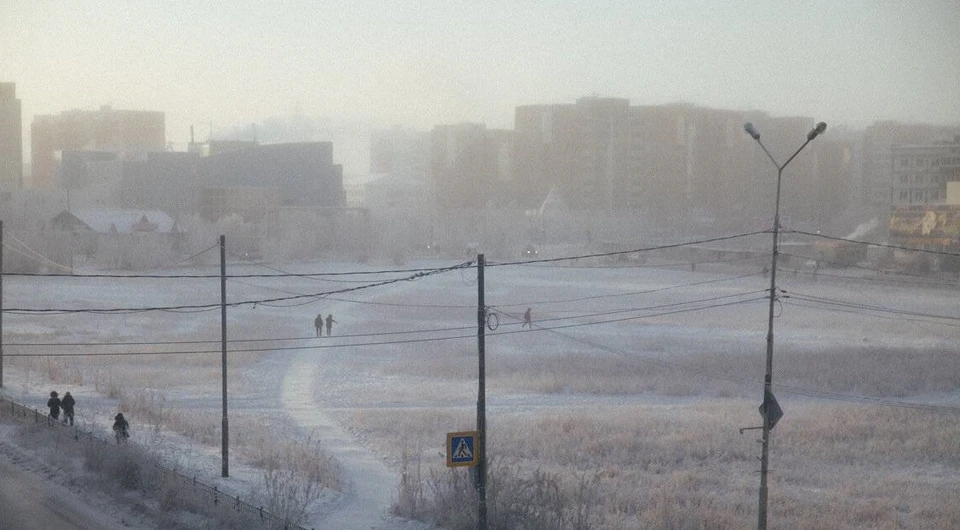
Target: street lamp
(770,410)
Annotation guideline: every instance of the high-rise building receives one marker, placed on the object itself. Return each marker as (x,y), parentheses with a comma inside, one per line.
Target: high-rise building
(674,164)
(129,133)
(11,140)
(571,149)
(463,166)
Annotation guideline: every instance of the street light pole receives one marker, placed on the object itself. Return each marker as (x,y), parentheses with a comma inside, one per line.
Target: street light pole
(768,398)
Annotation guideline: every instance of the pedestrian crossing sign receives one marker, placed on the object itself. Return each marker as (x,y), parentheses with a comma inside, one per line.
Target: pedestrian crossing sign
(462,448)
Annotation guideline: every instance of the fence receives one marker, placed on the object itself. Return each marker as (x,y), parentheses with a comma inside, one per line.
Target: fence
(199,491)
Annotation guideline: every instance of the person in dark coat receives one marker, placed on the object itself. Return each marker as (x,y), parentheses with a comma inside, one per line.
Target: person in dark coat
(54,404)
(330,322)
(318,324)
(527,321)
(67,404)
(121,429)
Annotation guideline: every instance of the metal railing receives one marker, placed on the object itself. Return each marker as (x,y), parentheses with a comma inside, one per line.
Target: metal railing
(199,492)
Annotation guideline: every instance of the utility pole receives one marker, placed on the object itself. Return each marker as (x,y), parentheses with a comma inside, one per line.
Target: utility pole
(1,304)
(769,409)
(481,402)
(224,431)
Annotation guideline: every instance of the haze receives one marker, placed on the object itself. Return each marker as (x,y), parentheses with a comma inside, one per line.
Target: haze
(362,65)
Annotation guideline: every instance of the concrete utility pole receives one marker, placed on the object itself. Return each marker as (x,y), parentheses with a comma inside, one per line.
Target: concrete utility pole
(1,304)
(769,409)
(481,402)
(224,431)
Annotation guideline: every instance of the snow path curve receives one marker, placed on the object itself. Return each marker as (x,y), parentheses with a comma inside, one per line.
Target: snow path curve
(369,484)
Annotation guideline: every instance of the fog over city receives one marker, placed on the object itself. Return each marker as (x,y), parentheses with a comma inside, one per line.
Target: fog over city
(362,65)
(558,265)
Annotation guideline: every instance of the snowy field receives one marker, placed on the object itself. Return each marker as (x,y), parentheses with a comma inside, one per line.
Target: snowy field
(615,355)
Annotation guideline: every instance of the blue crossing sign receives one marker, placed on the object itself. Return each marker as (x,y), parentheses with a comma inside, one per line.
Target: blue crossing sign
(462,448)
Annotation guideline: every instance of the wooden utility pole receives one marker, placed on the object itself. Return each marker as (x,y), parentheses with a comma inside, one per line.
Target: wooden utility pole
(224,431)
(481,402)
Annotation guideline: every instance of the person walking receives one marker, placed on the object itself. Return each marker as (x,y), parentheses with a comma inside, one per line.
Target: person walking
(54,404)
(121,429)
(67,404)
(330,322)
(527,320)
(318,324)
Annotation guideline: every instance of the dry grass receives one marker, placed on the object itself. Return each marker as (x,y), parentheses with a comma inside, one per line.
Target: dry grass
(295,471)
(684,464)
(864,370)
(126,473)
(834,466)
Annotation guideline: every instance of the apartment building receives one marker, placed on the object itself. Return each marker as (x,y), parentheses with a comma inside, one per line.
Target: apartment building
(11,140)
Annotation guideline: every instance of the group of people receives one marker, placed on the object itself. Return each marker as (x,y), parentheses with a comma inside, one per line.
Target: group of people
(66,404)
(318,324)
(121,429)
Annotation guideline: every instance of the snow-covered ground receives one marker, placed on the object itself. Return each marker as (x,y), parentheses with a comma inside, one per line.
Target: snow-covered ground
(370,363)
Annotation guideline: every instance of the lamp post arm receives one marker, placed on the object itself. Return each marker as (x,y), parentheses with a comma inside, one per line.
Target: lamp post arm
(794,155)
(774,160)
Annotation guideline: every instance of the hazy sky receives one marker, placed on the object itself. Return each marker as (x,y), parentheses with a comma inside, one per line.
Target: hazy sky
(418,63)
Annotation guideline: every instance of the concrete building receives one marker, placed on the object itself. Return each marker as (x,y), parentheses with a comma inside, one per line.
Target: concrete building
(573,149)
(675,165)
(922,173)
(167,181)
(463,166)
(11,140)
(245,179)
(299,174)
(877,174)
(129,133)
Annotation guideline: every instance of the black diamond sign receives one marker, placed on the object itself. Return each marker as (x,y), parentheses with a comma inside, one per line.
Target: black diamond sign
(770,404)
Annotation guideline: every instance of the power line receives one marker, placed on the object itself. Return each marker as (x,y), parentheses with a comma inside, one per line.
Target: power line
(920,280)
(621,252)
(382,343)
(285,274)
(881,245)
(310,298)
(315,275)
(189,258)
(386,333)
(632,293)
(537,302)
(864,307)
(833,396)
(739,380)
(210,307)
(809,305)
(647,265)
(33,254)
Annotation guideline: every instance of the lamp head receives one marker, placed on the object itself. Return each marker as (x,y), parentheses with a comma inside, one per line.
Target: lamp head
(752,131)
(816,131)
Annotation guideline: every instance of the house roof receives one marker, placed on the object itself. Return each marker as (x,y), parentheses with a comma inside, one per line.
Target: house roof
(126,221)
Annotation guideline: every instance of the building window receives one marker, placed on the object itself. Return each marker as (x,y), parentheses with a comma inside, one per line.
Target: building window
(904,195)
